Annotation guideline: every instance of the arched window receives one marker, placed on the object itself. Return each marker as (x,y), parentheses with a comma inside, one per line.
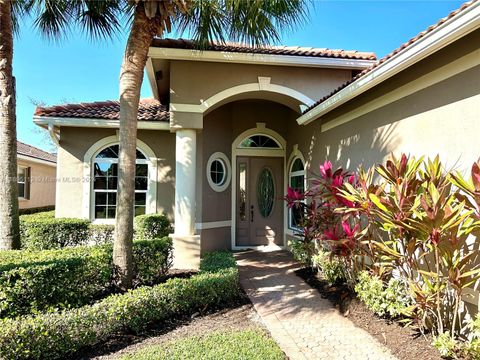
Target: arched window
(296,180)
(260,141)
(105,180)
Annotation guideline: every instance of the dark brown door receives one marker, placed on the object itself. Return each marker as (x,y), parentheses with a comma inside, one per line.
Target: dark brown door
(259,213)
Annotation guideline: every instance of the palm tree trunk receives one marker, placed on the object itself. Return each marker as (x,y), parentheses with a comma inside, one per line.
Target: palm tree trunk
(9,223)
(131,76)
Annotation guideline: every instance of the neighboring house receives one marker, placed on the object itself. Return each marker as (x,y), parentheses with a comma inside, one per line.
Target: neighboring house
(36,177)
(231,127)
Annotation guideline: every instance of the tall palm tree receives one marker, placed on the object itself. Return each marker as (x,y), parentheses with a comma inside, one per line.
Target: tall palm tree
(99,19)
(9,223)
(256,22)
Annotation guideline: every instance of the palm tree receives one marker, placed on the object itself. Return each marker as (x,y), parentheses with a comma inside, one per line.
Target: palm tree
(9,223)
(256,22)
(99,19)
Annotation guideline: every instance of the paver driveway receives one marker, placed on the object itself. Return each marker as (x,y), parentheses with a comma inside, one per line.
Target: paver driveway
(305,325)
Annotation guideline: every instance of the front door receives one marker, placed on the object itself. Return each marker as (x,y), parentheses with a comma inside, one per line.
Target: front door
(259,206)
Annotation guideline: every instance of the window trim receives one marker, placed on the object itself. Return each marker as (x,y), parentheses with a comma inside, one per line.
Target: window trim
(96,160)
(25,182)
(296,154)
(88,207)
(223,158)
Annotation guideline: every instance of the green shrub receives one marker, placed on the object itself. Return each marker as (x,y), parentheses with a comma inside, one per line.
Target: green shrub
(331,269)
(152,226)
(391,299)
(152,260)
(252,344)
(445,344)
(101,234)
(217,260)
(58,335)
(31,282)
(43,281)
(42,231)
(301,250)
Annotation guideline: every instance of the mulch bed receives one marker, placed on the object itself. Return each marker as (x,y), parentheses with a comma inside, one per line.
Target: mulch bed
(403,342)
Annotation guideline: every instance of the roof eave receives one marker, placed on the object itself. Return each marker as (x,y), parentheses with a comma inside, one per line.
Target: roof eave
(45,121)
(35,159)
(255,58)
(448,32)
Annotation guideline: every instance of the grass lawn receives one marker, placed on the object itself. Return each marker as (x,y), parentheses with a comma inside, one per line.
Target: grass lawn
(226,345)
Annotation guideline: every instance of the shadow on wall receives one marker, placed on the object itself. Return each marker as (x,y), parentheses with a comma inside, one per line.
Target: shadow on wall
(351,146)
(165,188)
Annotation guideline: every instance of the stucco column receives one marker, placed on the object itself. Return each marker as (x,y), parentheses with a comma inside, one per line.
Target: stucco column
(186,245)
(185,168)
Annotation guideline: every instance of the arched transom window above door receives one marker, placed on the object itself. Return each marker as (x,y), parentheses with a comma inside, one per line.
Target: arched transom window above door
(259,141)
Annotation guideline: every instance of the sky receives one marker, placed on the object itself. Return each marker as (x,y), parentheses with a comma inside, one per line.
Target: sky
(79,70)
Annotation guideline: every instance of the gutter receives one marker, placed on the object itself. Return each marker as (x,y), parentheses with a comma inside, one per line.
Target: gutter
(445,34)
(51,122)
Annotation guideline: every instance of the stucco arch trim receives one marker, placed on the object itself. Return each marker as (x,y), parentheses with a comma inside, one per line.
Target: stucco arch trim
(221,97)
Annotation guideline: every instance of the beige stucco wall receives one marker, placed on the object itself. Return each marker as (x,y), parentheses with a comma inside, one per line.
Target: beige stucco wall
(192,82)
(75,142)
(42,185)
(442,118)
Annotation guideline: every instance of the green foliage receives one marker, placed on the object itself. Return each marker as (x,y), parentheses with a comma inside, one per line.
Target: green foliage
(229,345)
(330,267)
(446,345)
(101,234)
(217,260)
(58,335)
(302,250)
(417,224)
(40,281)
(35,281)
(383,299)
(42,231)
(152,260)
(152,226)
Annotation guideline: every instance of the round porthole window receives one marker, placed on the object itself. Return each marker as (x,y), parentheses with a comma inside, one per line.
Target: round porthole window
(218,171)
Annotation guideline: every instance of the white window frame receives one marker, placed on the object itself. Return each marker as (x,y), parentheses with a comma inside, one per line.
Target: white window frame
(25,173)
(223,158)
(88,207)
(115,161)
(296,154)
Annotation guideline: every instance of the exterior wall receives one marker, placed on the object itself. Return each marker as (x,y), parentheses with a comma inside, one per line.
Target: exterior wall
(191,82)
(442,118)
(42,185)
(74,144)
(439,114)
(221,127)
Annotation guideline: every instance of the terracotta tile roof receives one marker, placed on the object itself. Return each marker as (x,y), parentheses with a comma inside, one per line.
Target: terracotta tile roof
(32,151)
(148,110)
(393,53)
(271,50)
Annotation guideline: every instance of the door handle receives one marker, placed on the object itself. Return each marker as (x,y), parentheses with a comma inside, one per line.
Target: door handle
(251,213)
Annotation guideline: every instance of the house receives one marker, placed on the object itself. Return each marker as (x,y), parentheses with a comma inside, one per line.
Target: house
(36,177)
(231,127)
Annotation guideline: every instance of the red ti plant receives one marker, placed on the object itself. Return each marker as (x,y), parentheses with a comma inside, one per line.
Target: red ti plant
(322,223)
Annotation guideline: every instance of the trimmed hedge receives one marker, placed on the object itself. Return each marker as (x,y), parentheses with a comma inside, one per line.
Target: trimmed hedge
(58,335)
(42,231)
(32,282)
(151,226)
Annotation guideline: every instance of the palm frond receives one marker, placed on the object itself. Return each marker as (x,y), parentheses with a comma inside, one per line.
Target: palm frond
(100,19)
(251,22)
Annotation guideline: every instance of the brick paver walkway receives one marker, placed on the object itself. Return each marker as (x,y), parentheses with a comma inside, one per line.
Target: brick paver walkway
(305,325)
